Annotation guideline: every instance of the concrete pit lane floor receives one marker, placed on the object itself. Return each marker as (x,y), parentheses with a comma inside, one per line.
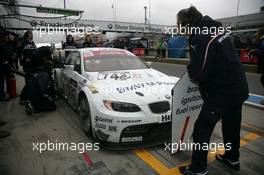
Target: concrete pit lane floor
(17,156)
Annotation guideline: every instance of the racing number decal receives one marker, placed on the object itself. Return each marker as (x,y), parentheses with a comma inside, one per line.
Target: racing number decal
(102,76)
(114,75)
(121,76)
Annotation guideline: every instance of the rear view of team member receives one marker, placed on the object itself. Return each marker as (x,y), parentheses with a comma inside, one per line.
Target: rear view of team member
(41,85)
(215,67)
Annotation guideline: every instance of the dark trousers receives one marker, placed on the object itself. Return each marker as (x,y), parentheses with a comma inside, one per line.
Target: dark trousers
(158,55)
(3,79)
(4,72)
(163,51)
(25,91)
(204,126)
(2,87)
(262,79)
(43,104)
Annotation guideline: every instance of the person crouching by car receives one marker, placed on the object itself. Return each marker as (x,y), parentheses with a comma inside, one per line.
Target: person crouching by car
(41,84)
(216,68)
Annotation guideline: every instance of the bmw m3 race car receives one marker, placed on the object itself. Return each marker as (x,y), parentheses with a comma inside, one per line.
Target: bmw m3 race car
(120,99)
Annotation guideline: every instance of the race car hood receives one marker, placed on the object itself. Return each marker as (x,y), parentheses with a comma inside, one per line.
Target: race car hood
(141,86)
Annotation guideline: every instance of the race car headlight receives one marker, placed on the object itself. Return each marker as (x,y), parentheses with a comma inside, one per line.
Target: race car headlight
(120,106)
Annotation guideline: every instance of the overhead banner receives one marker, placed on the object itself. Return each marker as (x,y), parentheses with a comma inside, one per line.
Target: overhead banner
(186,106)
(107,26)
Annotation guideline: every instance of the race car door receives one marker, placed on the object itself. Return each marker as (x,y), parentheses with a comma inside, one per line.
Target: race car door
(70,83)
(78,80)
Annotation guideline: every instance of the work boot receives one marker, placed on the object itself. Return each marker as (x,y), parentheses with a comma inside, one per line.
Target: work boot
(28,108)
(186,170)
(22,102)
(233,164)
(4,133)
(2,123)
(4,98)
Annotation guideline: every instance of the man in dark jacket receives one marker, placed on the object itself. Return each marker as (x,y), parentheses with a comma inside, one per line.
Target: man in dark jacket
(215,67)
(7,56)
(5,69)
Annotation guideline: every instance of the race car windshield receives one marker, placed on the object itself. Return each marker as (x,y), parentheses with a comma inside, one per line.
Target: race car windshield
(113,62)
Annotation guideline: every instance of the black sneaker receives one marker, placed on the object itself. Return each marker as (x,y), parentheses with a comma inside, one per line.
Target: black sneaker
(2,123)
(4,133)
(235,165)
(185,170)
(22,102)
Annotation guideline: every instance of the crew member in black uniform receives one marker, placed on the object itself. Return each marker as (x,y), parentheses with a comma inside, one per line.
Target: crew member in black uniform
(216,68)
(25,53)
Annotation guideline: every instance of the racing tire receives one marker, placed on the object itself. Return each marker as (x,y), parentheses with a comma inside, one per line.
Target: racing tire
(85,116)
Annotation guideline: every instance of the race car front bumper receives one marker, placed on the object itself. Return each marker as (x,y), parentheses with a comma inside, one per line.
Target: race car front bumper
(144,135)
(134,128)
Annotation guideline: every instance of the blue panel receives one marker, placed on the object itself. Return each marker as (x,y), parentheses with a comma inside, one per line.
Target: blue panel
(255,99)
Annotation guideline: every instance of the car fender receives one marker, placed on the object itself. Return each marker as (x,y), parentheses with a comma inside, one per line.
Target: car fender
(89,96)
(174,78)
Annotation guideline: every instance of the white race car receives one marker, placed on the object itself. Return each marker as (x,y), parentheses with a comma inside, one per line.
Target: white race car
(121,101)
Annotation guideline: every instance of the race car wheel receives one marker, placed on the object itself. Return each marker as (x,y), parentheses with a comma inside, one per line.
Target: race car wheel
(85,116)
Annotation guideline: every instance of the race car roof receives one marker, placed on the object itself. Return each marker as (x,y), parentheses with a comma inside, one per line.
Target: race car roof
(88,52)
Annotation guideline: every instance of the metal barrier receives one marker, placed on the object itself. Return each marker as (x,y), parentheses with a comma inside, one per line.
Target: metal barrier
(183,53)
